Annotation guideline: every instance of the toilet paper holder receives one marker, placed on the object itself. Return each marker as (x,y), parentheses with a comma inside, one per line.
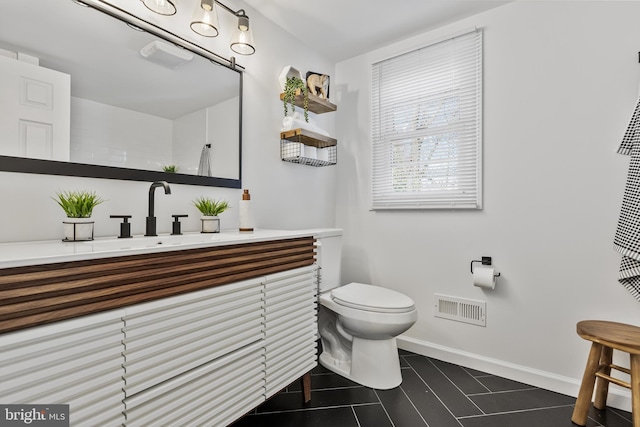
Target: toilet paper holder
(486,260)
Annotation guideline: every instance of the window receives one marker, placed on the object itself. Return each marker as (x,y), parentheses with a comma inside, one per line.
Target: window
(426,116)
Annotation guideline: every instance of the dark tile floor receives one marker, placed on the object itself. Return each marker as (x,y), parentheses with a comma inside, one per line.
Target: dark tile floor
(433,393)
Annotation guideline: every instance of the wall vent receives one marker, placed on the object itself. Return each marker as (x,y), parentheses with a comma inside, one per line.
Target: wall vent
(461,309)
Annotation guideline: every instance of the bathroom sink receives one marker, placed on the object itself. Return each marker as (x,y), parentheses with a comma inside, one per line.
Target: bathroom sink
(18,254)
(142,242)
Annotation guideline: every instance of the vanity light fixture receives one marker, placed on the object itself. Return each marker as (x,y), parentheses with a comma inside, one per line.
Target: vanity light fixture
(162,7)
(242,41)
(204,22)
(205,19)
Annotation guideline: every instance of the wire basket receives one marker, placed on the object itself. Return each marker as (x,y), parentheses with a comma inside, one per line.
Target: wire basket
(297,152)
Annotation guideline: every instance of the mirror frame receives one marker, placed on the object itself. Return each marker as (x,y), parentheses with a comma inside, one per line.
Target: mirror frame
(52,167)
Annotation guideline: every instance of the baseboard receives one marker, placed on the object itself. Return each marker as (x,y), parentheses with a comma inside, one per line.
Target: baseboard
(618,397)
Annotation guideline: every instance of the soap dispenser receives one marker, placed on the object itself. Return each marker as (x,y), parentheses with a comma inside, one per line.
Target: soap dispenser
(246,217)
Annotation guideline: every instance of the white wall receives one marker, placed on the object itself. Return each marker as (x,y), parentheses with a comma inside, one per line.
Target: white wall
(560,83)
(102,134)
(214,126)
(284,195)
(224,156)
(189,134)
(106,135)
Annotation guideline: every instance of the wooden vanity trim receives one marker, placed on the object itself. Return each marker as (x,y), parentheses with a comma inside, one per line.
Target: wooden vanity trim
(39,294)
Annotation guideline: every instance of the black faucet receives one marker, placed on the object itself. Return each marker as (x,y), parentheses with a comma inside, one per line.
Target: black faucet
(151,220)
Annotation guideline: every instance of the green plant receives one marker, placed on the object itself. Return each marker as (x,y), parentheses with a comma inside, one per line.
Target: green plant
(210,207)
(170,168)
(78,204)
(290,89)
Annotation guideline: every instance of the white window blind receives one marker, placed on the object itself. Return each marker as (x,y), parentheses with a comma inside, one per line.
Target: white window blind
(426,128)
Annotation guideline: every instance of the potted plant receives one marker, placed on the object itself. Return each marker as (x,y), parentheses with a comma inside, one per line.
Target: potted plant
(290,91)
(170,168)
(78,205)
(210,209)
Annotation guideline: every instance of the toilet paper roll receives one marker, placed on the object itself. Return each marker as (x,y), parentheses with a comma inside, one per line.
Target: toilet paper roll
(323,154)
(291,150)
(484,277)
(310,152)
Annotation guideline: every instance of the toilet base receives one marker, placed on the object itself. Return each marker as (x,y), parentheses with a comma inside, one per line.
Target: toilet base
(374,363)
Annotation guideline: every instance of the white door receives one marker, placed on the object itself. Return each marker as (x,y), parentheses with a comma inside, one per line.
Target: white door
(34,111)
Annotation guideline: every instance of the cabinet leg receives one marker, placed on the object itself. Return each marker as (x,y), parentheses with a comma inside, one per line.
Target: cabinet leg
(306,387)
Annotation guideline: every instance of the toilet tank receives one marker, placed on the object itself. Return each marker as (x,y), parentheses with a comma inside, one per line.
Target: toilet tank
(328,257)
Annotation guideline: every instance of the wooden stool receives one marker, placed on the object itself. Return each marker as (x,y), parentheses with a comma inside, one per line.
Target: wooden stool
(607,336)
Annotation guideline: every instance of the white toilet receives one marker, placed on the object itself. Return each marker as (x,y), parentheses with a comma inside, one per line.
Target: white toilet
(358,323)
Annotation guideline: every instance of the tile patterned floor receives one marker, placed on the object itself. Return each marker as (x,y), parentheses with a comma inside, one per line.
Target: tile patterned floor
(433,393)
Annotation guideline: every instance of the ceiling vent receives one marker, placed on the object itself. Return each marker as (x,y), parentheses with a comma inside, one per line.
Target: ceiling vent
(166,54)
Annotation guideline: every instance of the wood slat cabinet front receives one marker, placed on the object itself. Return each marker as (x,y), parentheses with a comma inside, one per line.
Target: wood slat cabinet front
(75,362)
(217,354)
(291,326)
(39,294)
(196,357)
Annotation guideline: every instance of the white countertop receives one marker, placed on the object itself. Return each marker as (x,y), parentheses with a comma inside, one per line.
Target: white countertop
(53,251)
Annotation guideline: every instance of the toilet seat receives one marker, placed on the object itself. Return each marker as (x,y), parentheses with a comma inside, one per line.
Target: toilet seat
(372,298)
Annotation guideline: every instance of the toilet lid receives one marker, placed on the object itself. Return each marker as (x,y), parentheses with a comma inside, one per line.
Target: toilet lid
(372,298)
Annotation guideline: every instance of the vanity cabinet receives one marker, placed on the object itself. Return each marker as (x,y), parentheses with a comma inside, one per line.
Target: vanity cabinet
(76,362)
(238,325)
(307,147)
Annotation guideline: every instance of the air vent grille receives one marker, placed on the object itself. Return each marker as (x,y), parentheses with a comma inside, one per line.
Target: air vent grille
(461,309)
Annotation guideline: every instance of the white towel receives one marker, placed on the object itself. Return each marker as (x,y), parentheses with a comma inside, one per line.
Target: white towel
(297,121)
(204,167)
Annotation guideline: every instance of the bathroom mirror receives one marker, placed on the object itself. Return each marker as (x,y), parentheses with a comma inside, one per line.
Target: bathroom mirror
(85,93)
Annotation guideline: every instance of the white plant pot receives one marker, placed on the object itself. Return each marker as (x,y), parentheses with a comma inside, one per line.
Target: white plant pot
(210,224)
(288,72)
(78,229)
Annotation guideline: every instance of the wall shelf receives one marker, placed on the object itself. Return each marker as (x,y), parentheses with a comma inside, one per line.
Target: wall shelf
(316,104)
(308,137)
(308,148)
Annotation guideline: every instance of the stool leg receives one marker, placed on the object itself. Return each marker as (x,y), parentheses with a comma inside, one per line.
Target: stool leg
(581,410)
(635,388)
(602,385)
